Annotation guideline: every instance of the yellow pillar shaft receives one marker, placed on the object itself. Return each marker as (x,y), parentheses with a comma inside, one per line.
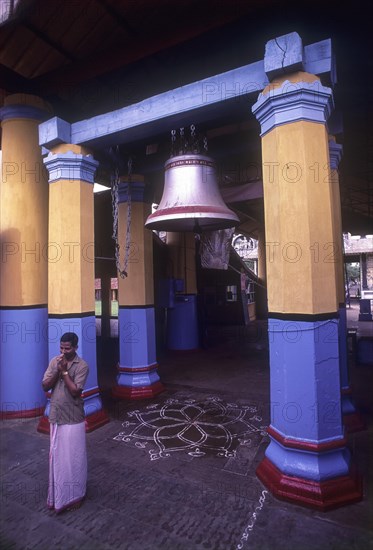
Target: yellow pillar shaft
(182,259)
(23,206)
(71,240)
(137,289)
(299,213)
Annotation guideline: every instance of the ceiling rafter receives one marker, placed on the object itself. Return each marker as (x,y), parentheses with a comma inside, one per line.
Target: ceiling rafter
(48,40)
(118,17)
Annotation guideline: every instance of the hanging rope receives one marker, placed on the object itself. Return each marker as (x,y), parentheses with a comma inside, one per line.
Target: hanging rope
(115,200)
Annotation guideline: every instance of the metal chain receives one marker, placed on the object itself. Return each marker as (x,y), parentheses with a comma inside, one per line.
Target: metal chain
(173,140)
(129,216)
(114,200)
(185,144)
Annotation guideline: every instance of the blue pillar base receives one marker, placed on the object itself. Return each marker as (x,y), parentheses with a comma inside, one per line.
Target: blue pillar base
(323,496)
(138,376)
(307,461)
(139,383)
(23,359)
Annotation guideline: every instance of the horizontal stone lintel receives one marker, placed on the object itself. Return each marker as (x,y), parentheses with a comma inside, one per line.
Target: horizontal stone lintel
(196,102)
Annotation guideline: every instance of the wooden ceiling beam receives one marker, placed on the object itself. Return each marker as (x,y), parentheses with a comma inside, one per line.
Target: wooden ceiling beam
(47,40)
(118,18)
(107,61)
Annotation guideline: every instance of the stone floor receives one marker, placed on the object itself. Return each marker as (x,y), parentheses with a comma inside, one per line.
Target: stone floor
(178,471)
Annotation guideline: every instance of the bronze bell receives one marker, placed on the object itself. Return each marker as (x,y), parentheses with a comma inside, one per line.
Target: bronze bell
(191,198)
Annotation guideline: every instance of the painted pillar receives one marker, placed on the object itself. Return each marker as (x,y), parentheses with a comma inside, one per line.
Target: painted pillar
(71,278)
(24,266)
(352,419)
(183,331)
(182,254)
(307,461)
(138,377)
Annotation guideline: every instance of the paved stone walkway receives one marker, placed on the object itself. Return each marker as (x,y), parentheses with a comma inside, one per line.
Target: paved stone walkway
(193,485)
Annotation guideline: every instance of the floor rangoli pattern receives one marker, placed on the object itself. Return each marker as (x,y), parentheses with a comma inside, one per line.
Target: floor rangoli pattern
(196,427)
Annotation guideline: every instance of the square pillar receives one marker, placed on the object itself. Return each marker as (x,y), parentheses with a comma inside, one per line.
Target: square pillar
(71,286)
(24,262)
(138,375)
(307,461)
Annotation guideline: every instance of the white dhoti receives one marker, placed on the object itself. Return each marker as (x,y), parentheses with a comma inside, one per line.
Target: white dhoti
(67,465)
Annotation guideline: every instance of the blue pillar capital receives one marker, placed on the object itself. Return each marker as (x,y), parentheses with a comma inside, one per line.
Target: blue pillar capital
(293,102)
(335,154)
(25,106)
(70,166)
(134,188)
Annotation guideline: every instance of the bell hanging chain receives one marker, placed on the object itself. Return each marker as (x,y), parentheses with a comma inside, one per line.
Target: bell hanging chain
(183,145)
(173,142)
(115,199)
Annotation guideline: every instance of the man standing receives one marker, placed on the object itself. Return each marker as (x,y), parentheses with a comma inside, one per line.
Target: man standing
(65,376)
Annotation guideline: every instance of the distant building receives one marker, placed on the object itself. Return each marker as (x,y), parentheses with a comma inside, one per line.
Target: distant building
(360,249)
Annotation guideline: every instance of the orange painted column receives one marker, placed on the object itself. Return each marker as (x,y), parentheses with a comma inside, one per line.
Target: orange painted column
(307,457)
(71,277)
(182,318)
(138,369)
(24,258)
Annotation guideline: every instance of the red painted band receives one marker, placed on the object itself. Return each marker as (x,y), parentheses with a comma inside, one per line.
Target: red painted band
(89,393)
(138,392)
(96,420)
(306,445)
(197,209)
(319,495)
(134,370)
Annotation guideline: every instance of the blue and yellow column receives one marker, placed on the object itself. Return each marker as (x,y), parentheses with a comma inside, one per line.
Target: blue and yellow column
(307,461)
(71,289)
(352,418)
(24,258)
(183,333)
(138,376)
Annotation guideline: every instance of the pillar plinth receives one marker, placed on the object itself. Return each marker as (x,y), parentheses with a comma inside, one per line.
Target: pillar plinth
(137,370)
(71,294)
(24,265)
(307,461)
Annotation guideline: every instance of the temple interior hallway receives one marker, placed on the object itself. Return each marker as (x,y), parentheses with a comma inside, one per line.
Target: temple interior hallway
(178,471)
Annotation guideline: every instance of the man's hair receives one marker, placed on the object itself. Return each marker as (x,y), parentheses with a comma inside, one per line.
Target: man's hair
(70,337)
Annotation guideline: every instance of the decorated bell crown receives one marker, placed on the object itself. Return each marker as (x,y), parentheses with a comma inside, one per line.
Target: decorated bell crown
(191,199)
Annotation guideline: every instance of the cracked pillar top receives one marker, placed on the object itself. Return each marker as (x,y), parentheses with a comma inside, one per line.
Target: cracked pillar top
(283,55)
